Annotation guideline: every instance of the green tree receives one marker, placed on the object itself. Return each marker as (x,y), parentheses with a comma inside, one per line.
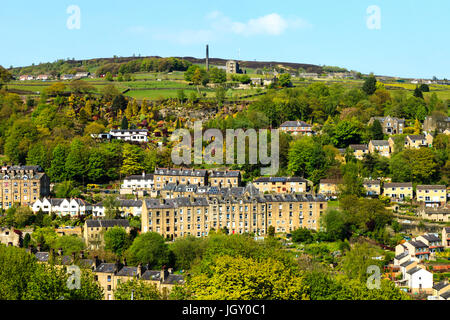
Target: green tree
(23,217)
(376,131)
(109,76)
(132,160)
(111,205)
(139,289)
(302,235)
(116,240)
(57,169)
(187,250)
(357,260)
(69,244)
(239,278)
(418,93)
(76,162)
(149,248)
(124,124)
(285,80)
(370,85)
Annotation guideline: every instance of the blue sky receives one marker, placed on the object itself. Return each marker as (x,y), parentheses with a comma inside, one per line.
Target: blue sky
(413,40)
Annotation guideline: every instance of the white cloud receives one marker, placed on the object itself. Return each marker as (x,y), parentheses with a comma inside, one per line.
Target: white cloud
(220,25)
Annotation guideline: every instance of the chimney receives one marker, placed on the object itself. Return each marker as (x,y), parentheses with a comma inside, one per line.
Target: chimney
(139,270)
(96,261)
(164,274)
(207,57)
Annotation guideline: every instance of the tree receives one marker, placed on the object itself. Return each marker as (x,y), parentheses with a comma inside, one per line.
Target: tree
(418,93)
(116,240)
(335,224)
(23,217)
(271,231)
(5,76)
(132,160)
(76,162)
(239,278)
(66,189)
(119,103)
(96,166)
(109,76)
(109,92)
(424,87)
(57,169)
(357,260)
(111,205)
(217,75)
(139,289)
(352,183)
(376,131)
(302,235)
(20,137)
(149,248)
(370,85)
(285,80)
(124,124)
(187,250)
(69,244)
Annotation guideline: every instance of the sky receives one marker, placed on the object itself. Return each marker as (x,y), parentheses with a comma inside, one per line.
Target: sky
(405,38)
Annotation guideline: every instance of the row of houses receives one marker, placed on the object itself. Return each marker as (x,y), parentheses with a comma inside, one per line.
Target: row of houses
(387,147)
(414,274)
(130,135)
(429,195)
(45,77)
(110,275)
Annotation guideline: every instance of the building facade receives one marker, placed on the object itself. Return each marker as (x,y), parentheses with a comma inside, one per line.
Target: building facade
(390,125)
(398,191)
(163,176)
(94,230)
(432,195)
(282,184)
(23,185)
(296,128)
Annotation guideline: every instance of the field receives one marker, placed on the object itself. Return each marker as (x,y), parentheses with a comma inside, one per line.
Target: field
(156,86)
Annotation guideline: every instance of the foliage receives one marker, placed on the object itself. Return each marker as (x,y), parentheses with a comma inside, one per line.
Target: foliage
(149,248)
(116,240)
(138,288)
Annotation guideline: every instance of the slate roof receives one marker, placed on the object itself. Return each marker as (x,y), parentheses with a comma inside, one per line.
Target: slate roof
(358,146)
(107,223)
(398,185)
(42,256)
(128,271)
(151,275)
(445,295)
(174,279)
(227,173)
(148,176)
(380,142)
(294,124)
(418,244)
(414,270)
(407,263)
(401,255)
(107,268)
(181,172)
(428,187)
(280,179)
(431,237)
(438,286)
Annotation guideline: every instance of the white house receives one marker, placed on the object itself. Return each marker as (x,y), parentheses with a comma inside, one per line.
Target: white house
(126,208)
(63,207)
(418,279)
(138,135)
(136,183)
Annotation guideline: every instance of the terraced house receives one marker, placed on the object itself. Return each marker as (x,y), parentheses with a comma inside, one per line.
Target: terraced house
(359,150)
(431,195)
(163,176)
(418,141)
(383,147)
(282,184)
(390,125)
(94,231)
(137,184)
(23,185)
(372,187)
(225,179)
(398,191)
(251,212)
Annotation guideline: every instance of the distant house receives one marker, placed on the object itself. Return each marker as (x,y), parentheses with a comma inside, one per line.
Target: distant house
(67,77)
(94,231)
(126,207)
(381,146)
(136,183)
(257,81)
(308,75)
(390,125)
(418,279)
(359,150)
(224,179)
(81,75)
(63,207)
(10,237)
(329,187)
(440,214)
(26,77)
(432,195)
(43,77)
(296,127)
(431,124)
(372,187)
(137,135)
(418,141)
(282,184)
(398,191)
(446,237)
(232,67)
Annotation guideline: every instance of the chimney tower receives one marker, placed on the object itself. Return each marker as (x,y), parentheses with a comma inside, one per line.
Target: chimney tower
(207,57)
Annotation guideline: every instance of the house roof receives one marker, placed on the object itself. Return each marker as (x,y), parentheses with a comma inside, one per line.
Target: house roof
(416,137)
(358,146)
(227,173)
(380,142)
(181,172)
(294,124)
(128,271)
(438,286)
(401,255)
(107,268)
(414,270)
(280,179)
(407,263)
(151,275)
(437,186)
(431,237)
(418,244)
(107,223)
(372,182)
(174,279)
(148,176)
(332,181)
(398,184)
(445,295)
